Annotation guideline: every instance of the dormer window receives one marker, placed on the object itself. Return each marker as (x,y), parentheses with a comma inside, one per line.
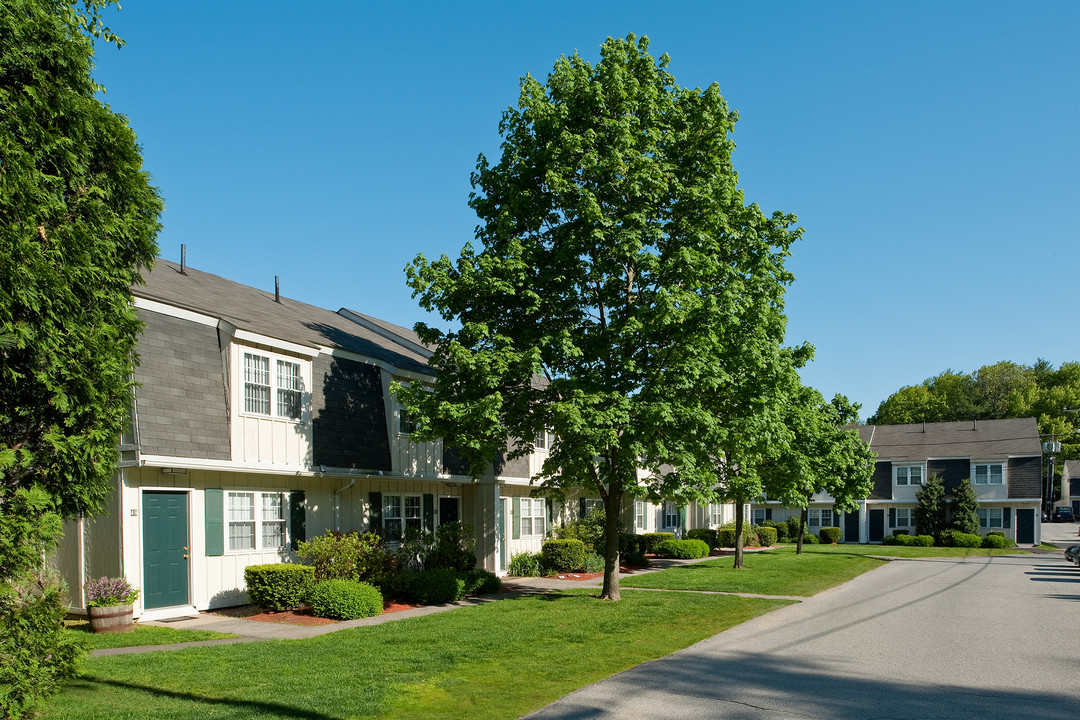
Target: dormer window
(280,392)
(909,474)
(988,473)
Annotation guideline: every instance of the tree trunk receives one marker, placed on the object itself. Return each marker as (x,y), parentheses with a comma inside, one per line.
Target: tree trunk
(738,533)
(612,528)
(802,531)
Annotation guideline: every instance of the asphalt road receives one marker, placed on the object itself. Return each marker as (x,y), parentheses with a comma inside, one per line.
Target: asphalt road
(986,637)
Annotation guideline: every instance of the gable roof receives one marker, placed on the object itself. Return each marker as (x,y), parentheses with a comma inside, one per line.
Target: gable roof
(254,310)
(975,439)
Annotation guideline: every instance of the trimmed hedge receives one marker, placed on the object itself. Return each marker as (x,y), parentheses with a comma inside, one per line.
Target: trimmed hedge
(907,540)
(955,538)
(725,536)
(809,539)
(279,586)
(706,535)
(683,549)
(435,587)
(562,555)
(632,549)
(780,527)
(767,536)
(345,600)
(653,539)
(830,535)
(481,582)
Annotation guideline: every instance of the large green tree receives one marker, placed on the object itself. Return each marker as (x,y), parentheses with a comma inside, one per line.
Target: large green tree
(622,277)
(78,218)
(964,508)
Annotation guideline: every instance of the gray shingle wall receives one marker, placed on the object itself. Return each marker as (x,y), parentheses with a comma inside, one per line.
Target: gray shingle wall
(951,471)
(882,481)
(516,468)
(348,415)
(181,402)
(1025,477)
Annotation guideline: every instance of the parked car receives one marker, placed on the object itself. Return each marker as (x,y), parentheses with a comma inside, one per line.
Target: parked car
(1072,554)
(1064,514)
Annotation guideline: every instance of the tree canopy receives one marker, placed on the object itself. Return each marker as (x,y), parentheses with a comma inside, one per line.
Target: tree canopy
(621,277)
(78,219)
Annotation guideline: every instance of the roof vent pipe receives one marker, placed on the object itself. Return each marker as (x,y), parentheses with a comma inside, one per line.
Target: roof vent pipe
(924,426)
(277,292)
(183,258)
(974,423)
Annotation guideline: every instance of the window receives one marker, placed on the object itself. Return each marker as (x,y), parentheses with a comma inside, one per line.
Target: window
(256,520)
(406,424)
(640,515)
(532,517)
(990,517)
(819,518)
(671,515)
(903,517)
(285,396)
(988,474)
(593,504)
(759,515)
(399,513)
(716,516)
(909,475)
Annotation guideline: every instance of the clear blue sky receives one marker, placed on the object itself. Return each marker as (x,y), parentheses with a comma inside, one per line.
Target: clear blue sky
(930,151)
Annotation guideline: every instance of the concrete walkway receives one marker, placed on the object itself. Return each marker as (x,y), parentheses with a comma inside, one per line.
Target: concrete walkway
(255,630)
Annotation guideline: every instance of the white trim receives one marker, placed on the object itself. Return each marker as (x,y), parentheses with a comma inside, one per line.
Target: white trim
(307,351)
(385,332)
(393,370)
(169,613)
(176,312)
(189,494)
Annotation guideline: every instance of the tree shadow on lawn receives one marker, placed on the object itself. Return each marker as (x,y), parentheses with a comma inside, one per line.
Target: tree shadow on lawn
(748,686)
(88,682)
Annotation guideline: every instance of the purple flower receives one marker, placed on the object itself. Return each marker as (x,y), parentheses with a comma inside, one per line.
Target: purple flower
(107,592)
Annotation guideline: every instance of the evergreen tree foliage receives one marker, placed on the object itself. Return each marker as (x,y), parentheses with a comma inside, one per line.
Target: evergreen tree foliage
(929,512)
(621,278)
(78,218)
(964,508)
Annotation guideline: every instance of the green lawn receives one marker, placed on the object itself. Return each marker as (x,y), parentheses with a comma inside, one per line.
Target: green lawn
(498,660)
(141,635)
(780,571)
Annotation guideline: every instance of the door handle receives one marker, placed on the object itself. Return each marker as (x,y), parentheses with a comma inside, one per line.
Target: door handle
(185,557)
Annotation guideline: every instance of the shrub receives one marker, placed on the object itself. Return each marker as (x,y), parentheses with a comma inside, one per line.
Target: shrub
(683,549)
(781,529)
(900,532)
(345,600)
(767,536)
(993,541)
(454,548)
(525,564)
(589,530)
(892,540)
(562,555)
(651,540)
(1007,542)
(924,541)
(435,587)
(279,586)
(809,539)
(593,563)
(706,535)
(632,548)
(831,535)
(793,524)
(725,535)
(955,538)
(348,556)
(481,582)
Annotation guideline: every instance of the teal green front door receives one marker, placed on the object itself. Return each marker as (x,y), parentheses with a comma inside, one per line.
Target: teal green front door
(165,549)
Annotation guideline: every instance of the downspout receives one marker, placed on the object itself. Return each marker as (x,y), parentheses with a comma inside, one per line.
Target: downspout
(337,504)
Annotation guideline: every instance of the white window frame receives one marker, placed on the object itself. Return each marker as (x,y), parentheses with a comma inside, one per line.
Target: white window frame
(902,475)
(404,509)
(906,522)
(716,514)
(276,383)
(671,514)
(759,512)
(987,519)
(256,519)
(593,504)
(988,464)
(534,511)
(815,517)
(641,515)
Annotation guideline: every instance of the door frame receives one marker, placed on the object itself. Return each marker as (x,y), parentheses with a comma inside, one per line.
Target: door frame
(1029,512)
(438,507)
(187,493)
(870,524)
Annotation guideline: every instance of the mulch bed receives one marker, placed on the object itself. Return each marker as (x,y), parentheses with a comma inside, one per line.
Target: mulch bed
(300,616)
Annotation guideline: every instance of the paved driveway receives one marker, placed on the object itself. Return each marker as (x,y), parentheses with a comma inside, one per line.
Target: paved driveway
(934,638)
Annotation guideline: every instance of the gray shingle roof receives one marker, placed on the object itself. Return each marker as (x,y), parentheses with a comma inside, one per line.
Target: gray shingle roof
(982,439)
(255,310)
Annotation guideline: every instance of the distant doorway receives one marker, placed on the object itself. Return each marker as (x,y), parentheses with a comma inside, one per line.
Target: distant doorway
(851,527)
(877,525)
(1025,526)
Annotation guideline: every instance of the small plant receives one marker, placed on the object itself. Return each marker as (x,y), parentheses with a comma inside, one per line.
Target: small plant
(594,563)
(107,591)
(524,564)
(345,600)
(809,539)
(481,582)
(562,555)
(279,586)
(348,556)
(767,536)
(830,535)
(683,549)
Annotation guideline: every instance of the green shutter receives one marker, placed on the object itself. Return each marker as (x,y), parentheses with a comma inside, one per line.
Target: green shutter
(297,518)
(768,513)
(581,508)
(517,518)
(1006,518)
(892,517)
(550,516)
(214,517)
(375,498)
(682,517)
(429,512)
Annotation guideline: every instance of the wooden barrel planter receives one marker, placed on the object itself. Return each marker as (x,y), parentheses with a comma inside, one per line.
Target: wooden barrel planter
(112,619)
